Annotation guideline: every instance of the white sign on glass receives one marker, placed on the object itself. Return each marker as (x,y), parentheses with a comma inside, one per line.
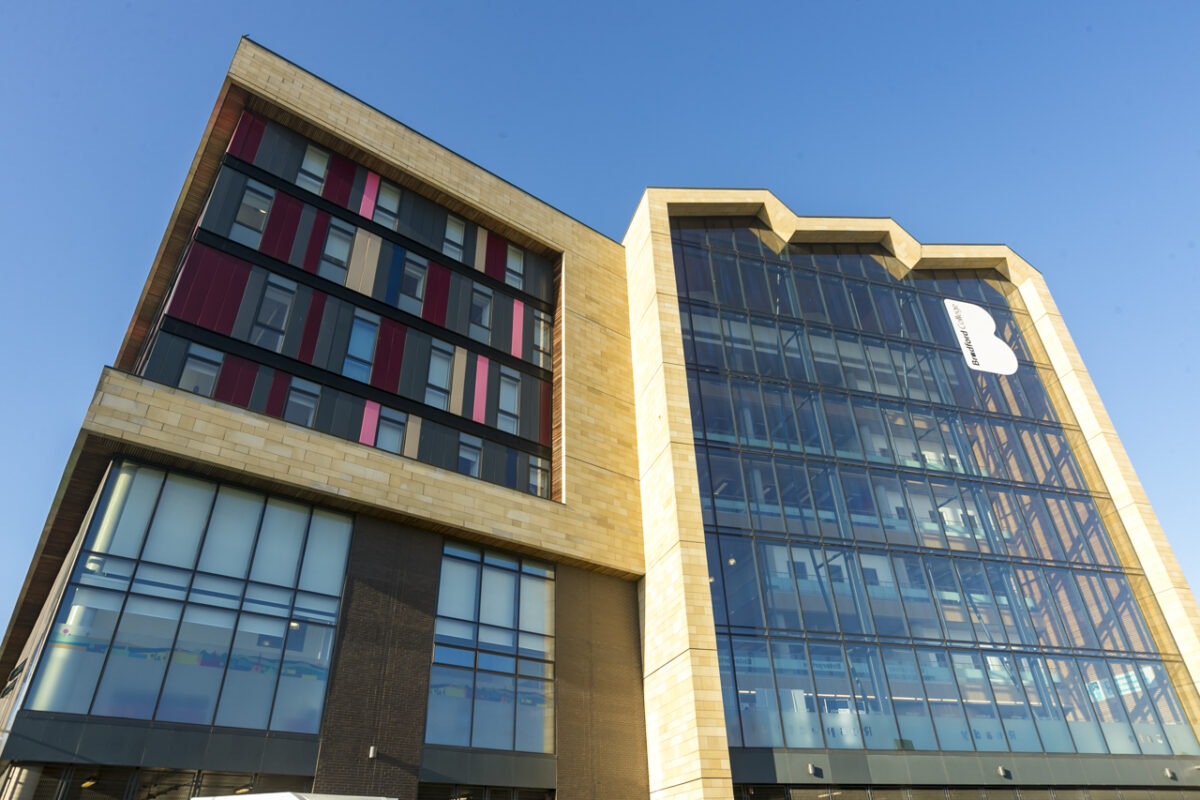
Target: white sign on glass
(976,331)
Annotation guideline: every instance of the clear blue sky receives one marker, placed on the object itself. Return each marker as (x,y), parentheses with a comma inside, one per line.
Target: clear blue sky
(1068,131)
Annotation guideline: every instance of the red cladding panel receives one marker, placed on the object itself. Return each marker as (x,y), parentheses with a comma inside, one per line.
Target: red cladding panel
(316,242)
(236,375)
(496,256)
(437,294)
(185,285)
(544,413)
(339,181)
(312,326)
(281,227)
(228,299)
(247,137)
(388,355)
(278,394)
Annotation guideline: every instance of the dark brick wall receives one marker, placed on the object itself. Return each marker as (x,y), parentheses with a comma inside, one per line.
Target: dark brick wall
(379,682)
(601,718)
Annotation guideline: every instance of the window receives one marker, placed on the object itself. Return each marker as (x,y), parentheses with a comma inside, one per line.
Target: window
(387,206)
(336,259)
(541,339)
(273,310)
(301,405)
(469,450)
(152,641)
(507,418)
(539,476)
(389,435)
(200,370)
(412,284)
(480,328)
(492,680)
(456,237)
(361,350)
(514,267)
(251,219)
(437,386)
(313,169)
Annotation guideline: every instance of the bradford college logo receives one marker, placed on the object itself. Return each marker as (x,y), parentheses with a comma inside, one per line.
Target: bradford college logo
(981,347)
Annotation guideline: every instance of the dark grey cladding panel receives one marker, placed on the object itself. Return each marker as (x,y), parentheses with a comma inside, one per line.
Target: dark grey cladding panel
(293,335)
(74,739)
(223,203)
(248,308)
(414,369)
(166,359)
(502,321)
(458,308)
(281,151)
(487,767)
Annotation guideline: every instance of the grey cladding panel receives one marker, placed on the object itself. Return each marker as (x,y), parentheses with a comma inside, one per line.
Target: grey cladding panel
(262,389)
(341,338)
(502,314)
(329,321)
(439,445)
(347,416)
(414,369)
(280,152)
(224,201)
(539,277)
(249,306)
(458,310)
(294,333)
(166,359)
(303,233)
(530,421)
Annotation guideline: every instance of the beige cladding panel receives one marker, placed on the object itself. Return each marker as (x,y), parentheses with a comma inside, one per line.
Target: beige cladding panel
(222,438)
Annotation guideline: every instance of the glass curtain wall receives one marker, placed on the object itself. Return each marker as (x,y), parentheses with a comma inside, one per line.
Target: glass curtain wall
(197,602)
(903,553)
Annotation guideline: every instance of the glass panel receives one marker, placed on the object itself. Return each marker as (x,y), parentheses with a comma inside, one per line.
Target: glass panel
(230,536)
(986,729)
(717,410)
(978,596)
(798,508)
(74,651)
(119,523)
(924,513)
(781,418)
(316,608)
(1071,608)
(1170,712)
(918,602)
(1077,708)
(138,659)
(279,541)
(908,700)
(741,582)
(747,408)
(835,697)
(537,605)
(950,605)
(302,678)
(812,422)
(756,694)
(1138,707)
(870,429)
(854,363)
(729,695)
(860,503)
(893,510)
(849,594)
(213,591)
(498,598)
(929,441)
(796,354)
(1093,531)
(873,698)
(1010,702)
(1128,613)
(883,593)
(904,445)
(843,430)
(448,720)
(197,666)
(944,704)
(325,553)
(797,698)
(161,581)
(766,348)
(1010,602)
(1107,703)
(179,521)
(959,535)
(457,592)
(729,497)
(812,584)
(103,572)
(492,724)
(778,586)
(706,330)
(825,358)
(739,347)
(535,716)
(1040,605)
(268,600)
(253,668)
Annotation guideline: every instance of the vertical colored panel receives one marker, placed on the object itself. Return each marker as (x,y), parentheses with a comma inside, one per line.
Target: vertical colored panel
(316,242)
(339,180)
(544,412)
(481,382)
(278,394)
(497,256)
(237,275)
(229,383)
(183,287)
(281,226)
(370,422)
(395,274)
(367,207)
(518,328)
(481,240)
(389,355)
(312,326)
(247,137)
(437,294)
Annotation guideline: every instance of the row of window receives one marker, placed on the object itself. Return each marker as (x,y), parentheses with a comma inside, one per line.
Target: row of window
(825,791)
(211,373)
(751,242)
(786,693)
(816,355)
(223,294)
(768,584)
(800,293)
(751,414)
(744,492)
(491,682)
(251,214)
(183,607)
(289,156)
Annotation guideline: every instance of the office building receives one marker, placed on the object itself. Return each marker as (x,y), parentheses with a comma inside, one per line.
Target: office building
(403,483)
